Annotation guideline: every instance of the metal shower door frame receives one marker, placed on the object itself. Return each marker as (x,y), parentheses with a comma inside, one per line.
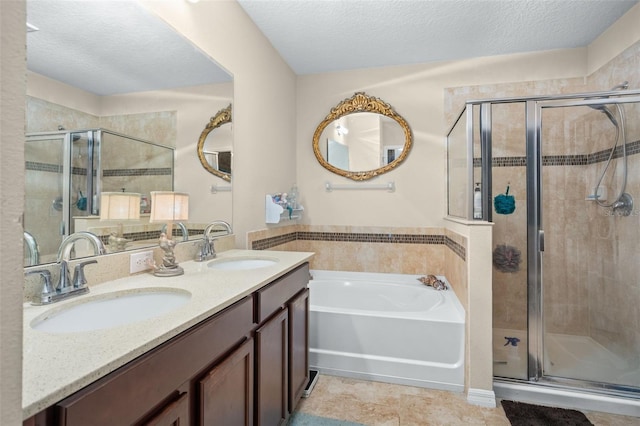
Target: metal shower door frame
(535,235)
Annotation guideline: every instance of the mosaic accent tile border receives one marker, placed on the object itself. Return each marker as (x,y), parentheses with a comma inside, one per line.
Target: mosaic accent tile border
(43,167)
(633,148)
(58,168)
(270,242)
(81,171)
(267,243)
(150,235)
(137,172)
(457,248)
(371,238)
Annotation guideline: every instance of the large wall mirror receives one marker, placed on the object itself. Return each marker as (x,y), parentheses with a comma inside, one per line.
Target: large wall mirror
(215,145)
(362,137)
(105,109)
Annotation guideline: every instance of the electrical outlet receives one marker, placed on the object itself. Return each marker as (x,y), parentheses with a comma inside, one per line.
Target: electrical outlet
(140,261)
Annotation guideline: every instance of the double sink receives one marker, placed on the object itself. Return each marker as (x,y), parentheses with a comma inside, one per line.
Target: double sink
(125,307)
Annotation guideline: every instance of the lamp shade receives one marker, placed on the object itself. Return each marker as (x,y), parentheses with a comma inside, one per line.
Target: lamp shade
(119,206)
(168,206)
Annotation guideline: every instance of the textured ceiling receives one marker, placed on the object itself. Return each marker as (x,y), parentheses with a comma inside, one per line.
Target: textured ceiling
(111,47)
(116,46)
(315,36)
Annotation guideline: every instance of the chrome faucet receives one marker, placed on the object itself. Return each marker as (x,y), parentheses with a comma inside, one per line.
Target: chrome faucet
(183,229)
(207,249)
(67,286)
(30,243)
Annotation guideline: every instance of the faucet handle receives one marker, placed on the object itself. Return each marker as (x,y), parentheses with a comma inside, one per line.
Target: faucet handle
(79,279)
(47,288)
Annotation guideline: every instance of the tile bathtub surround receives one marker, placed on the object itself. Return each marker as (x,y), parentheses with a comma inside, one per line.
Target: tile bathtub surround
(383,404)
(369,249)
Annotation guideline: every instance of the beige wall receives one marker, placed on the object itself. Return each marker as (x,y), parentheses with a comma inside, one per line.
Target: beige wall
(264,101)
(417,93)
(619,36)
(12,108)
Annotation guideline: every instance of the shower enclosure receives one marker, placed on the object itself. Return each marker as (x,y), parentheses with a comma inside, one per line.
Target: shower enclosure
(567,259)
(67,170)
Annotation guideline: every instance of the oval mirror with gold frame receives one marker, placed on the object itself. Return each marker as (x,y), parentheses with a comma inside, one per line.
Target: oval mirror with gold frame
(214,145)
(362,137)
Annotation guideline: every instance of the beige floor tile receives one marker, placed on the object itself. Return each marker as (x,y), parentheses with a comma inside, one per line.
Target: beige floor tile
(383,404)
(604,419)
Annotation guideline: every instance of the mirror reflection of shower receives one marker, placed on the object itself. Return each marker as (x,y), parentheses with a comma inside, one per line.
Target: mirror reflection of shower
(622,203)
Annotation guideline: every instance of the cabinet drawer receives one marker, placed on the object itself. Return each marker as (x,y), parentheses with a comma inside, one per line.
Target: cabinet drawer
(148,380)
(275,295)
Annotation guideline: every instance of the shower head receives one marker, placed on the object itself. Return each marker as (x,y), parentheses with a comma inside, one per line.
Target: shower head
(603,108)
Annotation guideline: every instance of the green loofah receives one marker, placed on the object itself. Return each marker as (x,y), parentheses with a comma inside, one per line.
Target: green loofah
(505,203)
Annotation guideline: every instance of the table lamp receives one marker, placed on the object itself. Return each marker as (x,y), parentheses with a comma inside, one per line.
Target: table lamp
(169,207)
(119,206)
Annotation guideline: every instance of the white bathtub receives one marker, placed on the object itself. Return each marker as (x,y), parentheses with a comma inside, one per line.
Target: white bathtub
(386,327)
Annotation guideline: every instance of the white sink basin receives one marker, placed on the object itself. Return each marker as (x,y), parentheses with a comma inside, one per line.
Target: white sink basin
(242,263)
(111,310)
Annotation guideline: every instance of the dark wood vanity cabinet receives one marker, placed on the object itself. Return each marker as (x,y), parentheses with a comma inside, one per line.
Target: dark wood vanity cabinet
(281,346)
(243,366)
(298,347)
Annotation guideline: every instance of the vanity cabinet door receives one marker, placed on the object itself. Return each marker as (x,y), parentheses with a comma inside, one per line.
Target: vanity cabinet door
(272,371)
(175,413)
(226,392)
(298,347)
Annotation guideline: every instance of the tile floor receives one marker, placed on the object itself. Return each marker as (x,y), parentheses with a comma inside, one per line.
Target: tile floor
(382,404)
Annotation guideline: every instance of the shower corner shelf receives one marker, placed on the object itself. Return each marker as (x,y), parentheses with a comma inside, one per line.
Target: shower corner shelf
(274,212)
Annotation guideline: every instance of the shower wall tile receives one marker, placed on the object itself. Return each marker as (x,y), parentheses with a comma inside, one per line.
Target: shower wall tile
(456,97)
(43,116)
(614,288)
(159,127)
(624,67)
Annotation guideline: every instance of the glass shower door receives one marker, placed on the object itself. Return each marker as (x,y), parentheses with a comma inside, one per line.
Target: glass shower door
(589,285)
(509,215)
(46,190)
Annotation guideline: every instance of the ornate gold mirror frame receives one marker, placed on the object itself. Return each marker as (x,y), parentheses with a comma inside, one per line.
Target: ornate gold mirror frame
(221,117)
(360,102)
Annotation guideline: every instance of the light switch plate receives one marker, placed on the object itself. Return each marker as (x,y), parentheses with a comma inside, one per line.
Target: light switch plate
(140,261)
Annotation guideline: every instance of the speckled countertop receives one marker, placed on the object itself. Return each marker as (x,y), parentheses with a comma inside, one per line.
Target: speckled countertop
(57,365)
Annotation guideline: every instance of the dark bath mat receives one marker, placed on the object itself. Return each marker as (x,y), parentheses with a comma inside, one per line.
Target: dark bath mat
(521,414)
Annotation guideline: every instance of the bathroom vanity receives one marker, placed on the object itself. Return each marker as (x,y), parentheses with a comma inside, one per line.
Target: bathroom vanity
(241,361)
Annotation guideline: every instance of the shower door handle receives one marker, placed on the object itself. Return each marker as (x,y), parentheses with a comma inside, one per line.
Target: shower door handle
(541,239)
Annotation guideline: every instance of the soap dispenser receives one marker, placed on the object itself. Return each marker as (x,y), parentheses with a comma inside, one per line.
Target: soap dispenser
(477,202)
(293,197)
